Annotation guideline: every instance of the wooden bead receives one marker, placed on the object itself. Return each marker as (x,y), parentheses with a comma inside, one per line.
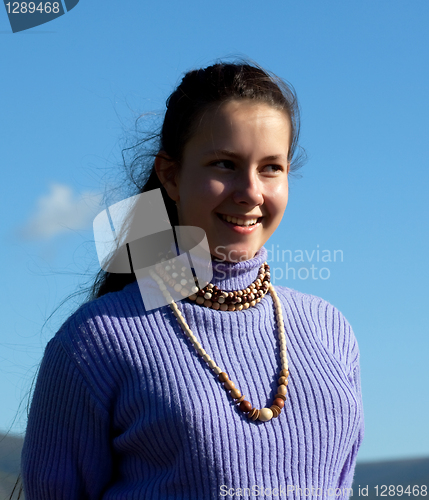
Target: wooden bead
(239,400)
(223,377)
(245,406)
(256,415)
(223,307)
(217,370)
(279,402)
(276,410)
(208,303)
(201,352)
(265,414)
(280,396)
(235,394)
(215,306)
(212,364)
(251,413)
(284,373)
(231,307)
(200,300)
(282,389)
(229,385)
(282,380)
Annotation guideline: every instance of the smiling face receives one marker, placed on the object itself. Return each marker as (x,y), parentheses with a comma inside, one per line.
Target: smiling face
(233,179)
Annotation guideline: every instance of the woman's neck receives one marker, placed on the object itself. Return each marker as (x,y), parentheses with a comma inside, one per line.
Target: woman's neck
(231,276)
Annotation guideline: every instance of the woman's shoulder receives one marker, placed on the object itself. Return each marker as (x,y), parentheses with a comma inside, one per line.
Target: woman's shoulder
(102,335)
(291,295)
(117,304)
(98,325)
(316,316)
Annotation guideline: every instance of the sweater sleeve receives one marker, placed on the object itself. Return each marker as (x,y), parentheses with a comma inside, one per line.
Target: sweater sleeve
(66,453)
(348,470)
(339,338)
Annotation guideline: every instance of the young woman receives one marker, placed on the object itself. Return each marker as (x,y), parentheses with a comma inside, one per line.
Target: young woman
(241,389)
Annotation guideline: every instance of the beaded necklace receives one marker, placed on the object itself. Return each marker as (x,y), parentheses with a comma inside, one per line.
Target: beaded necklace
(211,296)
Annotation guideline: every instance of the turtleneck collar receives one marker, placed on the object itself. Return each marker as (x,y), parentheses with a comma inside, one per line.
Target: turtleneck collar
(228,276)
(231,276)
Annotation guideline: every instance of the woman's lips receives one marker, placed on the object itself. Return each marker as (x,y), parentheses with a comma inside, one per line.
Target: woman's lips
(240,229)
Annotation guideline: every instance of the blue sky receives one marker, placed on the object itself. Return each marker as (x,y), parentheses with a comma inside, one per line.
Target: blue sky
(71,90)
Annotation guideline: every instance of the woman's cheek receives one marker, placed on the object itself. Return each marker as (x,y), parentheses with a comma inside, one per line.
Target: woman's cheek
(211,192)
(279,198)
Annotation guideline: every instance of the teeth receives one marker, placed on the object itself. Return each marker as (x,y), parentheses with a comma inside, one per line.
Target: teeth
(239,222)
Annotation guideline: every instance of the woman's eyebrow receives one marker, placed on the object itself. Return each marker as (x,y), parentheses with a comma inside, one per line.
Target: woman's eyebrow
(231,154)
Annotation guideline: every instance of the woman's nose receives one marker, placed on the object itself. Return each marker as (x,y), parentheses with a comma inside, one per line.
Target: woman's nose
(247,190)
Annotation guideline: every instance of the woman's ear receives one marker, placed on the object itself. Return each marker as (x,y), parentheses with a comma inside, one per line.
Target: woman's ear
(167,171)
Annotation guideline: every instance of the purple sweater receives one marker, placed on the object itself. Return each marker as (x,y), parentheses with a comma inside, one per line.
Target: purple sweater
(124,408)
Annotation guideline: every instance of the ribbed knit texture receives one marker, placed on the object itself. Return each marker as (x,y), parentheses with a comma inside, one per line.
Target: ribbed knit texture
(124,408)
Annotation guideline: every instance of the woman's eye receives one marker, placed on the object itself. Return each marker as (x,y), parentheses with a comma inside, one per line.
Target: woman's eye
(228,164)
(224,163)
(276,168)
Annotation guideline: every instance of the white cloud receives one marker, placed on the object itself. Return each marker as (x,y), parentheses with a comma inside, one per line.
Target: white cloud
(61,211)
